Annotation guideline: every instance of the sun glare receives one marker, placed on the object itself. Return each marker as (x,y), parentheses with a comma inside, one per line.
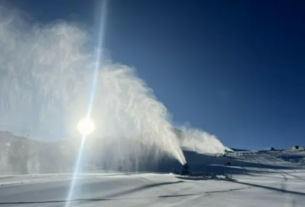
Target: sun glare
(85,126)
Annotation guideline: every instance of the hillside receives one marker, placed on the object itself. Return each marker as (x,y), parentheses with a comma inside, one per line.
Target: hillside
(253,178)
(271,177)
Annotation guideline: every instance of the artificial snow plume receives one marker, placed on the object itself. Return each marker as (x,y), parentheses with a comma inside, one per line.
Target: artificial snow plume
(46,81)
(199,141)
(45,86)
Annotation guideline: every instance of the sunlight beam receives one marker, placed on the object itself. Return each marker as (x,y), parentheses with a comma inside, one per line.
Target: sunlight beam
(87,126)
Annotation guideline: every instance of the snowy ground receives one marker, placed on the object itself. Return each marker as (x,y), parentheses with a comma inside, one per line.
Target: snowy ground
(267,181)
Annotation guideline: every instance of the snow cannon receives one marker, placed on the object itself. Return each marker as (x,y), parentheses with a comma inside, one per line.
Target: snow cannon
(185,170)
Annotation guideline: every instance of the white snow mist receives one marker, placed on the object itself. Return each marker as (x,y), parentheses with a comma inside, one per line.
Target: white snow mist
(45,84)
(199,141)
(46,74)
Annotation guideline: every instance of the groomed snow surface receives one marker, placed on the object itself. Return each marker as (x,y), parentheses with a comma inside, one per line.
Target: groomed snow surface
(246,178)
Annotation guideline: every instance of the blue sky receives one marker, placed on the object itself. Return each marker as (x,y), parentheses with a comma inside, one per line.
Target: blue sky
(232,68)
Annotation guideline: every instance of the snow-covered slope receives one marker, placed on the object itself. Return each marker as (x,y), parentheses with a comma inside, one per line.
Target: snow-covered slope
(261,189)
(243,178)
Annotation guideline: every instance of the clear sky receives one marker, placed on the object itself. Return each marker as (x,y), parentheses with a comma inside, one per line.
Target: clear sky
(233,68)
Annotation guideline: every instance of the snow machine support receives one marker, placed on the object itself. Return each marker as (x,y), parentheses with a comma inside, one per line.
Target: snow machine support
(185,170)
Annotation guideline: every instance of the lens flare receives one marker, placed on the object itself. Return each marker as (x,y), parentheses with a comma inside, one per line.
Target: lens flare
(86,126)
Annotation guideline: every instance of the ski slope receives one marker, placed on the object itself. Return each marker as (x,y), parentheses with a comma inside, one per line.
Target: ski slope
(254,178)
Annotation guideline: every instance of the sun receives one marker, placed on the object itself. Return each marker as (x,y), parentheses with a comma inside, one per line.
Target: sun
(85,126)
